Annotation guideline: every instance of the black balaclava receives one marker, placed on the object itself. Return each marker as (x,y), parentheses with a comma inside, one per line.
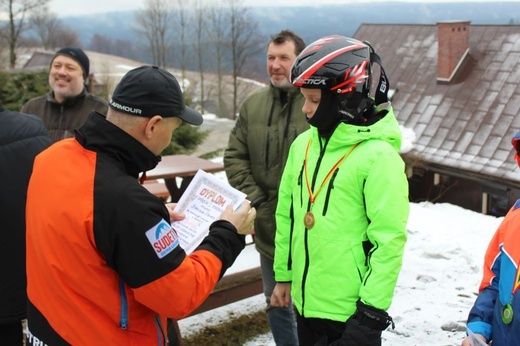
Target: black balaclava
(335,108)
(327,115)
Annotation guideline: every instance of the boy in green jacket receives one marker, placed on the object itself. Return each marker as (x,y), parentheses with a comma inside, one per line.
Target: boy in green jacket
(343,200)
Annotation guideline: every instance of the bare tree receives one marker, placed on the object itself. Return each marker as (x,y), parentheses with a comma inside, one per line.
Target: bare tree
(244,42)
(181,9)
(124,48)
(51,32)
(64,36)
(217,32)
(153,23)
(45,25)
(200,27)
(16,11)
(103,44)
(100,43)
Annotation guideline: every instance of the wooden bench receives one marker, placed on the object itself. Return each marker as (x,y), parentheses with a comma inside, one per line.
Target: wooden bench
(157,188)
(231,288)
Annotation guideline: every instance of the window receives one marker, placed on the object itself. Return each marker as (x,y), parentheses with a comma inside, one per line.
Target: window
(495,202)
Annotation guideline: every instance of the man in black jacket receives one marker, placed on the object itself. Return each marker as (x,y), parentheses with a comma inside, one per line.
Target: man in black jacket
(22,137)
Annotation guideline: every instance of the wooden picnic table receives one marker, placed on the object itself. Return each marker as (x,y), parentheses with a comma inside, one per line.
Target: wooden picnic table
(172,167)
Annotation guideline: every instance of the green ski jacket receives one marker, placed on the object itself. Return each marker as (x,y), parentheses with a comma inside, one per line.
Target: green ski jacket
(355,246)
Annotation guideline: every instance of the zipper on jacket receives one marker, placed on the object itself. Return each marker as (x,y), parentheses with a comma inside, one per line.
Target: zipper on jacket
(123,319)
(270,119)
(323,148)
(306,270)
(288,120)
(161,335)
(329,190)
(369,271)
(367,248)
(300,183)
(291,215)
(269,122)
(58,133)
(365,203)
(267,151)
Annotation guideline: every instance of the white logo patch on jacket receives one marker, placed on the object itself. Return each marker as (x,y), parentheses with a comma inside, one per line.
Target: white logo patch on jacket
(163,238)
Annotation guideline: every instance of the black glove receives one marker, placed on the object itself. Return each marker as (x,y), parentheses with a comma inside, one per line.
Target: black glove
(364,327)
(374,318)
(323,341)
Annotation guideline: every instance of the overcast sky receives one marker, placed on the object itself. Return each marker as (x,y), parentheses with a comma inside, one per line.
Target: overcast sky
(65,8)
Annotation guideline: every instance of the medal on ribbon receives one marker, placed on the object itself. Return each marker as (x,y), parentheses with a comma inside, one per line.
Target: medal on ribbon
(308,219)
(507,313)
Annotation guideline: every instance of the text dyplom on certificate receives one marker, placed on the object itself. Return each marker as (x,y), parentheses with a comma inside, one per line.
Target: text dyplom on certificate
(203,202)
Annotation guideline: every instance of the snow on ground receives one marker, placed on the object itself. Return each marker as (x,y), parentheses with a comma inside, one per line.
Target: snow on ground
(442,268)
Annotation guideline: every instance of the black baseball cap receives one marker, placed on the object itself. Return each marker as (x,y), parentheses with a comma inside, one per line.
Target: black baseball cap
(149,90)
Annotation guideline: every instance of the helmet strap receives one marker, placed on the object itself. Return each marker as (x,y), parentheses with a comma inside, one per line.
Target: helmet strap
(383,85)
(352,107)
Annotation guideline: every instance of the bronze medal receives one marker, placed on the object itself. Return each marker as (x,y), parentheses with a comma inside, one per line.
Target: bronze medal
(308,220)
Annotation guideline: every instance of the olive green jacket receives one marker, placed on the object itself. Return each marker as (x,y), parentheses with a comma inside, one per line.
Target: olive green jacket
(257,150)
(355,248)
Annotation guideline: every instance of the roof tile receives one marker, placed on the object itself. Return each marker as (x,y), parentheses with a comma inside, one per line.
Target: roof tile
(466,123)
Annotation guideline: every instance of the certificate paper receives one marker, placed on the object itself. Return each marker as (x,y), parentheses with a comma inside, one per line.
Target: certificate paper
(204,200)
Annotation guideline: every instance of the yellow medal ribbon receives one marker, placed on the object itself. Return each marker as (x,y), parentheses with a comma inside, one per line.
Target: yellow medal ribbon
(308,219)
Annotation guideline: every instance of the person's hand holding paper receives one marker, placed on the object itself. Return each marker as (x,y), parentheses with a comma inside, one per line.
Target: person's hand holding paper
(243,219)
(206,200)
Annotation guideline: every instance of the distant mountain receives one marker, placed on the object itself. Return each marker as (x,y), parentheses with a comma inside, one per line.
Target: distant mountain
(313,22)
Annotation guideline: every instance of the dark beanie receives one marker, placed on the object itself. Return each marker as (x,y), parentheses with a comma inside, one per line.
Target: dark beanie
(78,55)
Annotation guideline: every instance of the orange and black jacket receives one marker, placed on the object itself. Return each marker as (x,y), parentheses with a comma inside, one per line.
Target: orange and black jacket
(104,266)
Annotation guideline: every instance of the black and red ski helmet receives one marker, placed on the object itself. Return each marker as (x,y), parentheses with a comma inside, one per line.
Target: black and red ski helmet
(336,63)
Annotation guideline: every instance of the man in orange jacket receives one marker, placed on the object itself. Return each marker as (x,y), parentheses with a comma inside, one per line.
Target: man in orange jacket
(95,272)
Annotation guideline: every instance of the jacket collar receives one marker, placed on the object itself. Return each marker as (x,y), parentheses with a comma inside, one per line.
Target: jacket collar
(101,136)
(291,92)
(386,129)
(69,101)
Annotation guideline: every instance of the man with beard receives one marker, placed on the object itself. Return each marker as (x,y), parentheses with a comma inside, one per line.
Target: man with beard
(68,104)
(269,120)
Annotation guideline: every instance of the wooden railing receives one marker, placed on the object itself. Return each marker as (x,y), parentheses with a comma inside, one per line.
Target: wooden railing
(231,288)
